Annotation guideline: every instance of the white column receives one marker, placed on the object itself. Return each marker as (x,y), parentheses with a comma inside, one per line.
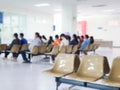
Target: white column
(69,15)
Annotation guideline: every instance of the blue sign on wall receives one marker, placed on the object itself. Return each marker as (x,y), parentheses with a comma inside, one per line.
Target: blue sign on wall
(1,17)
(54,27)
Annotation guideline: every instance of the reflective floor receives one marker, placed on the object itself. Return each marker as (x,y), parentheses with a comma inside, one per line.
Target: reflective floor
(21,76)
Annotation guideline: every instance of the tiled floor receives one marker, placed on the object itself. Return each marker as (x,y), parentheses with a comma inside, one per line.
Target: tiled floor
(19,76)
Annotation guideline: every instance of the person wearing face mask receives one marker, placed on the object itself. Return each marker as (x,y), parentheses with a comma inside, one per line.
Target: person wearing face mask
(16,41)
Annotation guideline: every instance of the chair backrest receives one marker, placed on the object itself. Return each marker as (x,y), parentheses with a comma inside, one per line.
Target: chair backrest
(49,48)
(95,46)
(35,50)
(42,49)
(15,48)
(90,47)
(75,48)
(24,47)
(115,72)
(3,47)
(92,66)
(55,50)
(69,49)
(66,63)
(62,49)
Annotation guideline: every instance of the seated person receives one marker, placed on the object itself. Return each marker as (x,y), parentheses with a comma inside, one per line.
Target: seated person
(50,41)
(35,42)
(64,41)
(74,40)
(57,41)
(85,43)
(81,39)
(44,39)
(91,40)
(23,40)
(14,42)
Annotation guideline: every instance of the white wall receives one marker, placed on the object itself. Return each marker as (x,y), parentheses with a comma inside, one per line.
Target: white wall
(106,27)
(31,22)
(40,23)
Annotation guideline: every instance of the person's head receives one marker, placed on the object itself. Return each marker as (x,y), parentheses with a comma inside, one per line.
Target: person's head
(74,36)
(86,36)
(62,36)
(44,37)
(15,35)
(50,38)
(91,37)
(21,35)
(56,37)
(37,35)
(82,37)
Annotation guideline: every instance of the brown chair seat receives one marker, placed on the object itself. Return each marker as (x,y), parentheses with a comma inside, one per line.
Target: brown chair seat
(114,77)
(14,49)
(55,51)
(64,64)
(24,47)
(69,49)
(91,69)
(34,51)
(3,47)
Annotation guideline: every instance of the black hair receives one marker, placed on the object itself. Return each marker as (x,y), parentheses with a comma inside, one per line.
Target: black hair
(15,35)
(37,33)
(21,34)
(87,36)
(56,36)
(44,37)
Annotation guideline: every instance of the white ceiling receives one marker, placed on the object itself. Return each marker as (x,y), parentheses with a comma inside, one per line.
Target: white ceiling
(84,7)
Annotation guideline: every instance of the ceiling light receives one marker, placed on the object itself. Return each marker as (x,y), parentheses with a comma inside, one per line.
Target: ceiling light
(42,5)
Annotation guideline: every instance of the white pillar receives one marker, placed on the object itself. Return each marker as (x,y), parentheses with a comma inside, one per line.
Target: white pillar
(69,15)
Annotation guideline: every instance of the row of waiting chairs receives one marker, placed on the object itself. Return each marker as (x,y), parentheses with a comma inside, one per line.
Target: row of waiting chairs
(90,47)
(64,49)
(14,49)
(90,69)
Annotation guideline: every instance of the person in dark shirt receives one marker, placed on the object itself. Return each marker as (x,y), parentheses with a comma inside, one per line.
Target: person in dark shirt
(23,40)
(74,40)
(50,41)
(14,42)
(91,40)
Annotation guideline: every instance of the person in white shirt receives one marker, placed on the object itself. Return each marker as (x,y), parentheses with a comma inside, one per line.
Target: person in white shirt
(35,42)
(64,41)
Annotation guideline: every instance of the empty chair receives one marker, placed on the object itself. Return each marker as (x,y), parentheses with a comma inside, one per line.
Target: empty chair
(69,49)
(62,49)
(3,47)
(64,64)
(14,49)
(24,47)
(34,51)
(95,46)
(42,49)
(90,47)
(91,69)
(114,77)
